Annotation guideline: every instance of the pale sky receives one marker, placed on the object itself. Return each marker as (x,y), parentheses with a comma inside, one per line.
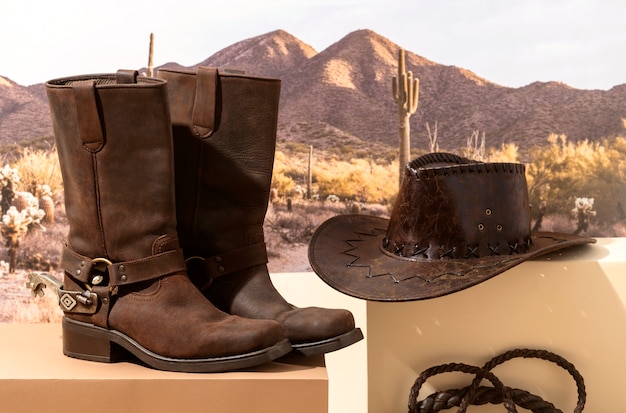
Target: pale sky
(510,42)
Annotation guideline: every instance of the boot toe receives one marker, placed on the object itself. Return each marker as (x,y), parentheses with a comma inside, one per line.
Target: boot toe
(311,324)
(240,335)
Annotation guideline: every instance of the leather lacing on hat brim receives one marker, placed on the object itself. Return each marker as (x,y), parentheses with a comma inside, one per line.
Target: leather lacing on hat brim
(443,164)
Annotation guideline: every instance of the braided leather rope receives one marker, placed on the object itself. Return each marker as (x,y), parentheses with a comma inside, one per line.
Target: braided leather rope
(474,394)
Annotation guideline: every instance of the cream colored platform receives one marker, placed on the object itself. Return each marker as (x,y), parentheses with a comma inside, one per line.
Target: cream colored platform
(571,303)
(347,368)
(36,377)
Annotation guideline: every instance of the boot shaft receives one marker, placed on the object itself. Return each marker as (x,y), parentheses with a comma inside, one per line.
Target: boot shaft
(224,128)
(224,143)
(114,144)
(125,284)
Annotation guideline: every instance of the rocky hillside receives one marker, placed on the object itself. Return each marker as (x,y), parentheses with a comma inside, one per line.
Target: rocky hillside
(24,115)
(342,96)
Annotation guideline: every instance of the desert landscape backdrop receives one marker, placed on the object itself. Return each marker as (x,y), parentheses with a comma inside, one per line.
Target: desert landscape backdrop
(337,103)
(347,89)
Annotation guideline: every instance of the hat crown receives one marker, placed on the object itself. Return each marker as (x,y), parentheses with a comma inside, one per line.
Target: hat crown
(451,207)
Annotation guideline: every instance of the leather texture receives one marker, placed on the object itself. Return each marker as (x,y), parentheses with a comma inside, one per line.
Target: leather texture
(437,217)
(455,223)
(222,191)
(114,142)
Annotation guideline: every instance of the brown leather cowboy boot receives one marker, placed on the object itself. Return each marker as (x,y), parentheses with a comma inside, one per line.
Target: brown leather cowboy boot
(224,141)
(126,289)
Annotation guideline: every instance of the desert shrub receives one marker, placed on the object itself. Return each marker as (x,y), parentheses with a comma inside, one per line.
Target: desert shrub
(296,226)
(508,152)
(39,167)
(360,179)
(567,224)
(563,171)
(617,230)
(296,147)
(283,184)
(41,250)
(282,179)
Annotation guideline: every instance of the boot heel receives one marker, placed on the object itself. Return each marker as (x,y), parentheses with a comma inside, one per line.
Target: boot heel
(86,342)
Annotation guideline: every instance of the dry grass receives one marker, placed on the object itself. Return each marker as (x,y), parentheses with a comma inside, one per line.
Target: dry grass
(39,167)
(17,304)
(287,234)
(566,224)
(39,250)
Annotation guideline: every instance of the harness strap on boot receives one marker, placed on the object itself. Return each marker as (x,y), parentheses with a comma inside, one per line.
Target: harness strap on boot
(233,260)
(123,273)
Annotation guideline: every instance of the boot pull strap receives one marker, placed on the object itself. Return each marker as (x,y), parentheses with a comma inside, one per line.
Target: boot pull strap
(125,77)
(88,117)
(204,106)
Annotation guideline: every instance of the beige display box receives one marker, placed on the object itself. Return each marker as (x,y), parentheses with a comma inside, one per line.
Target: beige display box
(36,377)
(571,303)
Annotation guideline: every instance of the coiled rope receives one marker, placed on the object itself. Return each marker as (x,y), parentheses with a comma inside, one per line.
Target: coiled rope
(475,394)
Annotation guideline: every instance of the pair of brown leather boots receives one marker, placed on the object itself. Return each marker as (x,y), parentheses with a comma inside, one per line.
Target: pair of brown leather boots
(167,182)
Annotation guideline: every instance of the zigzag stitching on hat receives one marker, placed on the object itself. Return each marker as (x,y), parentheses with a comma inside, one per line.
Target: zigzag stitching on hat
(360,238)
(399,280)
(396,280)
(355,257)
(353,247)
(369,272)
(455,273)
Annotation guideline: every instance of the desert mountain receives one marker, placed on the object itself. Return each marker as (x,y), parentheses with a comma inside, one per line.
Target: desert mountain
(24,114)
(342,96)
(275,54)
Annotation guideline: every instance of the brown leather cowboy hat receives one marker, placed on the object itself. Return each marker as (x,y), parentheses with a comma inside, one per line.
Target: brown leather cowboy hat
(456,223)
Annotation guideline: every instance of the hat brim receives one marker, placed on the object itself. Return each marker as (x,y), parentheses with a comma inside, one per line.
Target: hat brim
(345,252)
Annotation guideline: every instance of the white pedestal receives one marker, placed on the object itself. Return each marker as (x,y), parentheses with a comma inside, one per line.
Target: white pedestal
(347,368)
(571,303)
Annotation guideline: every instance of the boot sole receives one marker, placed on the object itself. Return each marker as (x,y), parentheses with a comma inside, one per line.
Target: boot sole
(89,342)
(328,345)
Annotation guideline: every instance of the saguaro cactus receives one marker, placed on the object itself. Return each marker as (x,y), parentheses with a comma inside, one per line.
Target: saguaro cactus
(405,91)
(309,180)
(151,56)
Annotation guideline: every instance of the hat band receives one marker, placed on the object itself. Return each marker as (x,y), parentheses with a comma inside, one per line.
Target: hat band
(428,251)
